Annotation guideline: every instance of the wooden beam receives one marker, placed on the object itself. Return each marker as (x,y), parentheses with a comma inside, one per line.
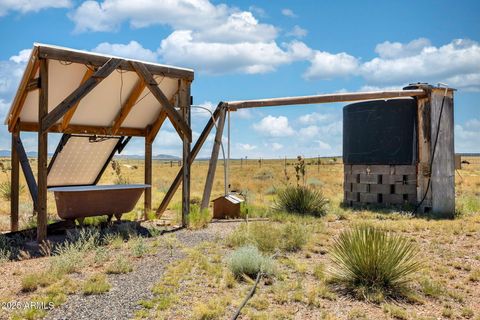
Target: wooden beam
(27,170)
(81,129)
(443,166)
(19,100)
(33,84)
(147,207)
(70,101)
(42,153)
(156,126)
(99,60)
(424,153)
(172,114)
(69,115)
(15,182)
(195,150)
(212,164)
(324,98)
(128,105)
(184,104)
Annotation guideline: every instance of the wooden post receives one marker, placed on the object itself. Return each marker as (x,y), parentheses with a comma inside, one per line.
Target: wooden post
(212,165)
(184,104)
(15,181)
(436,186)
(42,153)
(443,168)
(147,205)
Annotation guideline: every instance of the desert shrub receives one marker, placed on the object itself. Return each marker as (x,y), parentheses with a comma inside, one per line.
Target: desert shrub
(197,218)
(83,239)
(263,174)
(96,284)
(29,282)
(211,310)
(372,262)
(249,261)
(119,265)
(68,259)
(431,288)
(5,249)
(301,200)
(139,247)
(467,204)
(294,237)
(264,236)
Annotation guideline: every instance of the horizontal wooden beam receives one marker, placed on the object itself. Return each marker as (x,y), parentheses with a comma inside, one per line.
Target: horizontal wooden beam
(81,129)
(72,100)
(99,60)
(324,98)
(173,115)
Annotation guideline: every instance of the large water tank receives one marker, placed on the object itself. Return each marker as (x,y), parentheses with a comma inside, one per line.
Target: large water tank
(380,132)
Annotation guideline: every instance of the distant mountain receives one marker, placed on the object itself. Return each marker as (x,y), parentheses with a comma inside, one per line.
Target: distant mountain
(165,157)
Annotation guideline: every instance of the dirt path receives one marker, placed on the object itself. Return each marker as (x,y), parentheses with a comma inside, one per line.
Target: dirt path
(127,289)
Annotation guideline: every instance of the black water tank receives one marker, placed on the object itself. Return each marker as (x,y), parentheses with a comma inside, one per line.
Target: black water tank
(380,132)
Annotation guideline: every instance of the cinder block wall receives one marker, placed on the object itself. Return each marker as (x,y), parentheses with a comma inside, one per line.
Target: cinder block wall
(380,184)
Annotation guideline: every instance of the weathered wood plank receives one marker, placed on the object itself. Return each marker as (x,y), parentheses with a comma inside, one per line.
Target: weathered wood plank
(70,101)
(99,60)
(172,114)
(359,187)
(443,168)
(212,165)
(69,114)
(72,129)
(27,170)
(369,178)
(15,181)
(424,153)
(379,188)
(325,98)
(128,105)
(184,104)
(42,154)
(195,150)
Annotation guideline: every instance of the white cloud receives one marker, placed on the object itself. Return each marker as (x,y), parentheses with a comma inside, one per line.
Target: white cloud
(25,6)
(288,13)
(325,65)
(467,136)
(133,50)
(216,39)
(393,50)
(314,117)
(323,146)
(298,32)
(243,114)
(275,146)
(456,63)
(11,71)
(274,126)
(201,112)
(181,48)
(22,56)
(308,132)
(246,147)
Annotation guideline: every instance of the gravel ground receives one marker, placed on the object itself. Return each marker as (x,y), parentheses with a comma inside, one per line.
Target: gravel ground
(127,289)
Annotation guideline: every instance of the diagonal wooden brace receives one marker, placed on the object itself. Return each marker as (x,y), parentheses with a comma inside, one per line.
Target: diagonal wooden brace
(53,116)
(179,123)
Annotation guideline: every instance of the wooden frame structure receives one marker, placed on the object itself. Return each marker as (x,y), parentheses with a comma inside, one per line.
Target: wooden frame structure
(435,171)
(60,117)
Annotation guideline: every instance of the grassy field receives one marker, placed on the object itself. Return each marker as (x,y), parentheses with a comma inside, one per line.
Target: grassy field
(200,285)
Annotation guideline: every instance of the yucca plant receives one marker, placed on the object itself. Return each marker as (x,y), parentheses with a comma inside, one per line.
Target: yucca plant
(372,262)
(301,200)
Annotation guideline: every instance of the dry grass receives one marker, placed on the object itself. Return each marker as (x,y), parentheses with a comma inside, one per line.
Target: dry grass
(447,288)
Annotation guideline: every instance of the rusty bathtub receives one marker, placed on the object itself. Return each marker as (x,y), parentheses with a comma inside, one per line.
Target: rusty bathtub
(79,202)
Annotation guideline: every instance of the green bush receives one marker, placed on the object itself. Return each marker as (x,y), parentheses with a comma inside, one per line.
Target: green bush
(96,284)
(374,263)
(248,260)
(197,218)
(119,265)
(301,200)
(264,236)
(294,237)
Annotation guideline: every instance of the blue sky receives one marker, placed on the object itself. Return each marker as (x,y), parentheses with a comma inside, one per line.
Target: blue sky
(261,49)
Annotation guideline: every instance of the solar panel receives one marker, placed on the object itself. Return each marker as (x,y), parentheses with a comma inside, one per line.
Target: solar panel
(80,159)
